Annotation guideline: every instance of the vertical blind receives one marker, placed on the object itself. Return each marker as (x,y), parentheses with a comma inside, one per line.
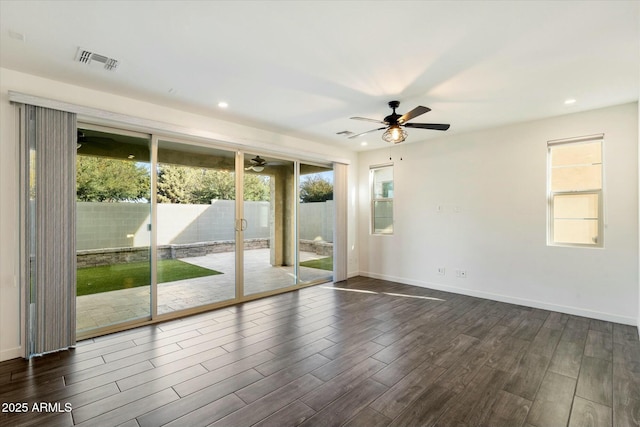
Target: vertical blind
(340,244)
(49,171)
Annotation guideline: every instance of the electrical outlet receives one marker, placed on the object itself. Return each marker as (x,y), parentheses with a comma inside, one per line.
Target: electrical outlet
(461,274)
(441,271)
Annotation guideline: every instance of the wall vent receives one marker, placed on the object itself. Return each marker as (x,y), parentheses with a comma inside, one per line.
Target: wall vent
(87,57)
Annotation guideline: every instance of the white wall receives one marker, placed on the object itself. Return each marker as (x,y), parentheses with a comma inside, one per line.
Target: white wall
(10,345)
(206,127)
(491,188)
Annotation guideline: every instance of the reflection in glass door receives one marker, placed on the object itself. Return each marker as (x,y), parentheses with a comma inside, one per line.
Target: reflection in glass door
(268,224)
(195,194)
(112,228)
(315,224)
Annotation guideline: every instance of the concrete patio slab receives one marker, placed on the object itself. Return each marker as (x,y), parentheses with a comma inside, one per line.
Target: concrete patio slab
(109,308)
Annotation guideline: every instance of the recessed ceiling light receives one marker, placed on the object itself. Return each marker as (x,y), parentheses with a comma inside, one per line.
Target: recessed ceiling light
(222,104)
(363,143)
(569,101)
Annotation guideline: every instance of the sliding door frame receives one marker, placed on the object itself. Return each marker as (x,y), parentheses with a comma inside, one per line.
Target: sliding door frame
(153,253)
(238,222)
(239,225)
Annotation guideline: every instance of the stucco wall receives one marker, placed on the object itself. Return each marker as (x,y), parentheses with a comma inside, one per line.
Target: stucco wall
(117,225)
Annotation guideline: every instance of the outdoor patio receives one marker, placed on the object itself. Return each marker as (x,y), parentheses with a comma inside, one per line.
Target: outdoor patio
(108,308)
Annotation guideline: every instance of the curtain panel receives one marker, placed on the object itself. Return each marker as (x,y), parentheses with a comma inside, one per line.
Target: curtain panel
(48,206)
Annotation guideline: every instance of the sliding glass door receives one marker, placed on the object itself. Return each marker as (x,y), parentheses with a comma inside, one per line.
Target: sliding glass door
(112,228)
(196,220)
(315,223)
(268,224)
(168,227)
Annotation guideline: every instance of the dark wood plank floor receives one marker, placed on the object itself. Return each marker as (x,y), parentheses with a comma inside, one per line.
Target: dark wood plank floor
(363,353)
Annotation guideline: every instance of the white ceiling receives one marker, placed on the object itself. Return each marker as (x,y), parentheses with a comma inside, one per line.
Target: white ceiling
(303,68)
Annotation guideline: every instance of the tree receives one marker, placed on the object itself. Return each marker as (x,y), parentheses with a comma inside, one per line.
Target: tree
(176,184)
(315,188)
(100,179)
(215,184)
(256,187)
(184,184)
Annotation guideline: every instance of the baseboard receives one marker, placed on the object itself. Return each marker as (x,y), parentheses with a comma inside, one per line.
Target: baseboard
(12,353)
(577,311)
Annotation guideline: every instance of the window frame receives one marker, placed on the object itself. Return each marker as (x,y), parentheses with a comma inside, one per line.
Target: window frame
(551,194)
(374,200)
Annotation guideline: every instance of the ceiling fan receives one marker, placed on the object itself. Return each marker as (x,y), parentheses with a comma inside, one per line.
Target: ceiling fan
(257,164)
(394,123)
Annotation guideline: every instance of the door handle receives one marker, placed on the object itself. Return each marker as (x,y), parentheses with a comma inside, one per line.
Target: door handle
(241,224)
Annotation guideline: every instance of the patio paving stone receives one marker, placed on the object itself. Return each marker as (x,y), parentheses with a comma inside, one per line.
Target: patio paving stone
(108,308)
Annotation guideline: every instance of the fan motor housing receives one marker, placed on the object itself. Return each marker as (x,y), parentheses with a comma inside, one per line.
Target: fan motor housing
(392,119)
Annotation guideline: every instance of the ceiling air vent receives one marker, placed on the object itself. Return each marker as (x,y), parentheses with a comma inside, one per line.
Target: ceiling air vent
(87,57)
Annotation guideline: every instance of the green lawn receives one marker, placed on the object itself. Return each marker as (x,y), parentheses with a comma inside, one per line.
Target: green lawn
(93,280)
(321,263)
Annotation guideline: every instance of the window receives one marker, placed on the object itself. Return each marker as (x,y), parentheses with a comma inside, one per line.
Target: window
(381,199)
(575,192)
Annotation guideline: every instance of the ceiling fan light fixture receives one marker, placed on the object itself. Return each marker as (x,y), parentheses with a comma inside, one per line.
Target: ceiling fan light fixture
(395,123)
(394,134)
(257,164)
